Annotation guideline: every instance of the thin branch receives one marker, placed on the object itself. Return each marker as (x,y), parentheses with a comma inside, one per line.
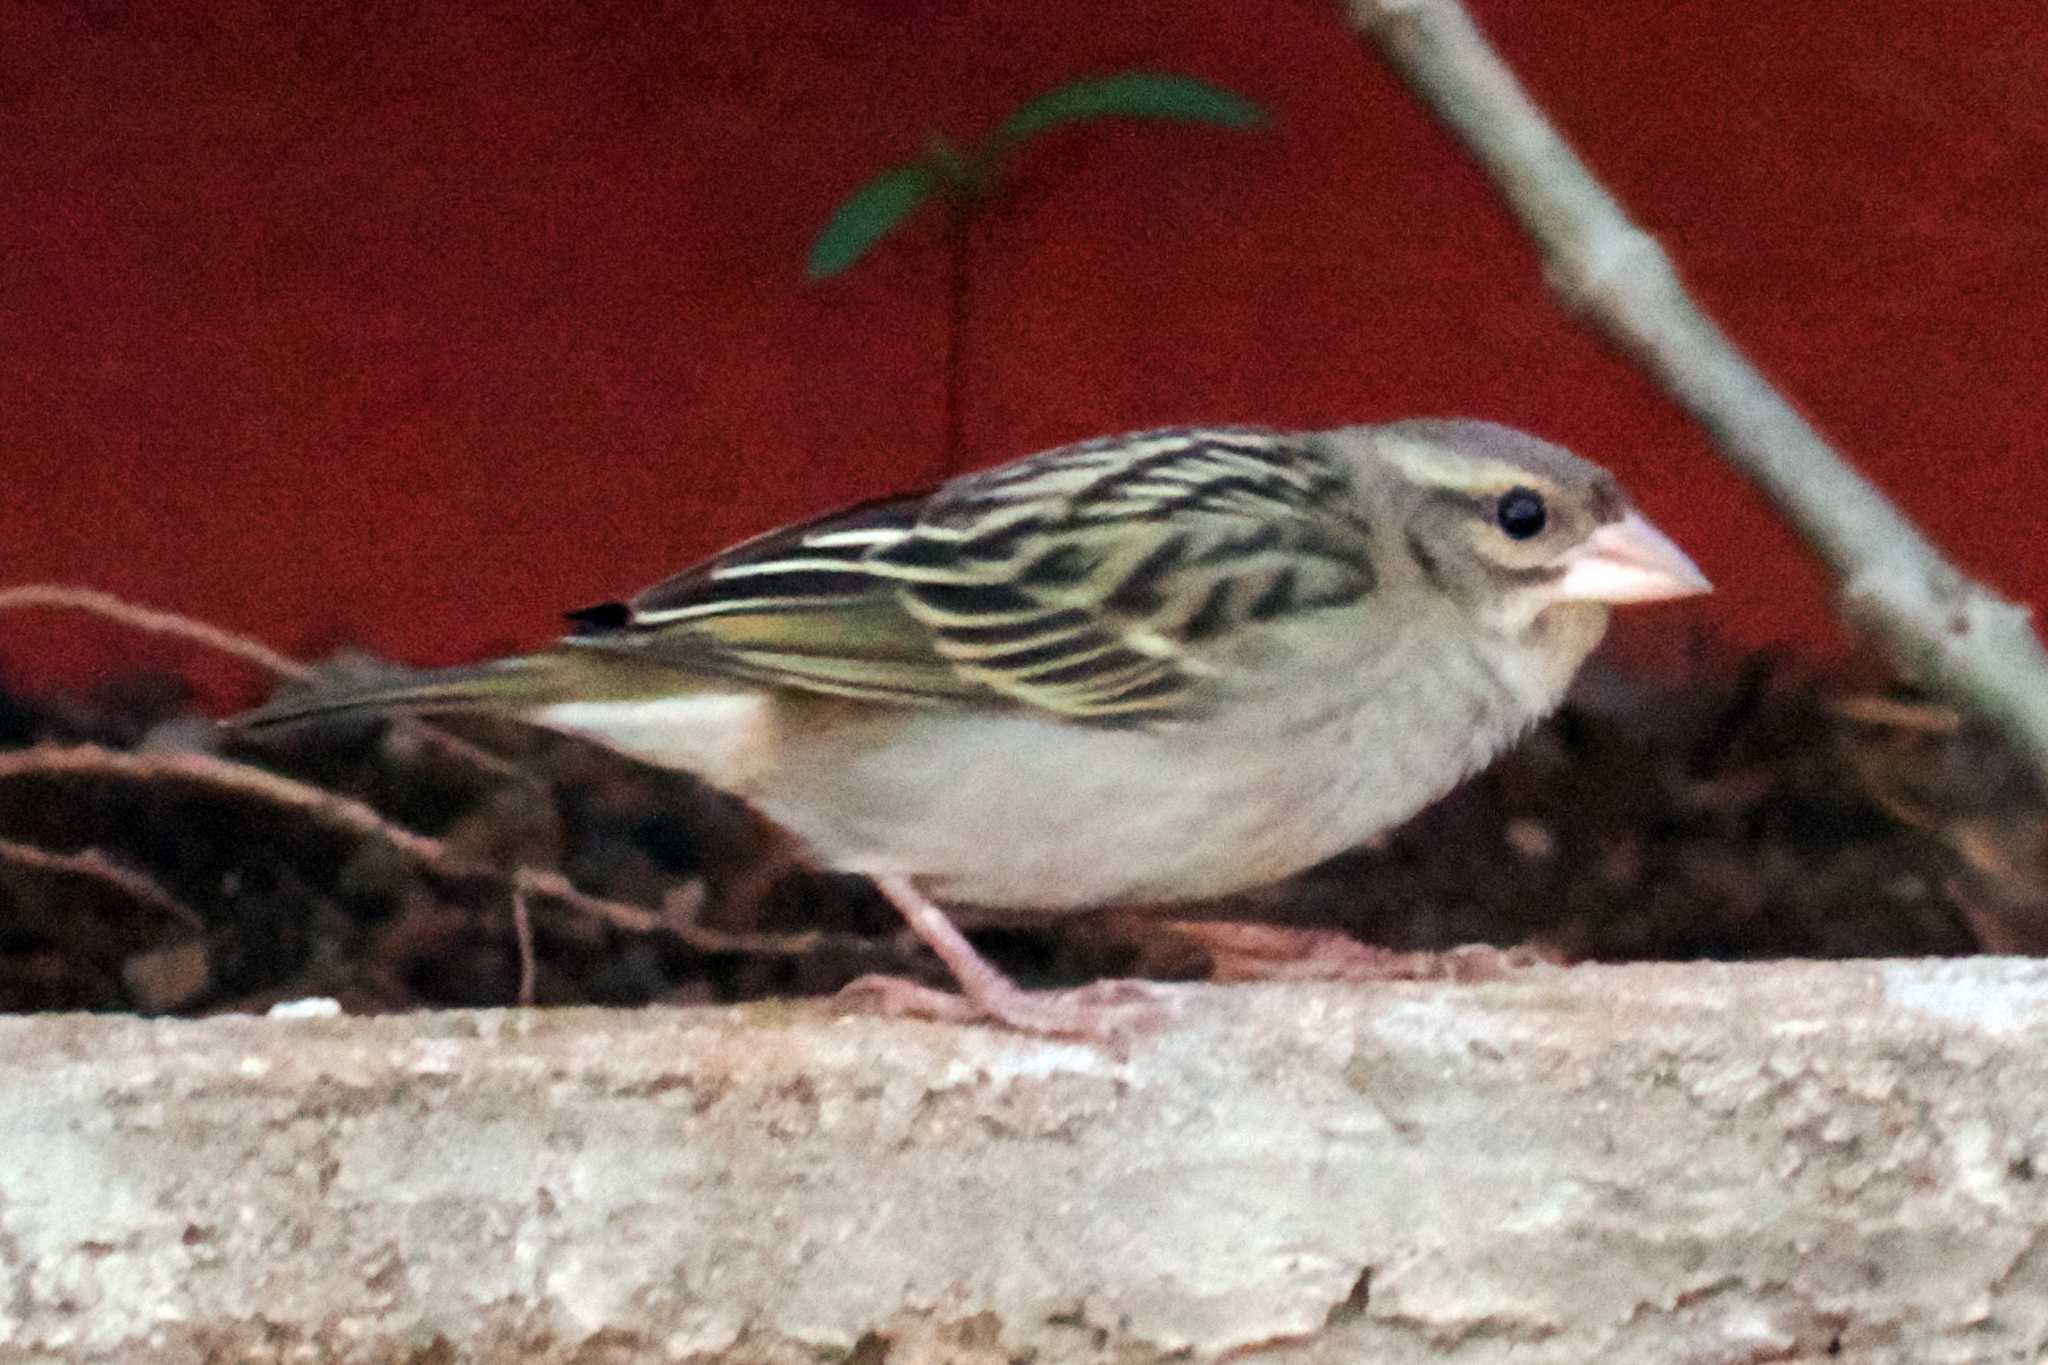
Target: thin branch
(461,750)
(93,866)
(324,807)
(522,934)
(357,819)
(153,621)
(349,816)
(1892,713)
(1938,625)
(682,904)
(150,621)
(332,811)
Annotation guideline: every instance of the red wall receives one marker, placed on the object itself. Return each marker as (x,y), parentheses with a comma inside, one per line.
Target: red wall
(411,325)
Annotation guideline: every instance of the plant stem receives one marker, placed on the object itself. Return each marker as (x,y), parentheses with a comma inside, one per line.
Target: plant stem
(959,246)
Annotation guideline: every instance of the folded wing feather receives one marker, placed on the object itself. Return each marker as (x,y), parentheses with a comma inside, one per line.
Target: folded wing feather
(1091,581)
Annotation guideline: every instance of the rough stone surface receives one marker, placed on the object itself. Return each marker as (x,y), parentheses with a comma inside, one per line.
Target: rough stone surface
(1640,1164)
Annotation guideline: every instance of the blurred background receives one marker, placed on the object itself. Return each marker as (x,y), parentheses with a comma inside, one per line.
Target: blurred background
(407,326)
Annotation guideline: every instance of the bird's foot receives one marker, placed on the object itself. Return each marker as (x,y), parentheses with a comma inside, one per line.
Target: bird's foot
(1107,1012)
(1272,952)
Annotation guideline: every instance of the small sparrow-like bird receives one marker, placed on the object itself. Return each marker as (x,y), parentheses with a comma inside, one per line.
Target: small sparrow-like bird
(1153,668)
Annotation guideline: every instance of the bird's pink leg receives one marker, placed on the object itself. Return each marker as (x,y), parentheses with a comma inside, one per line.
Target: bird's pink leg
(1100,1011)
(1241,951)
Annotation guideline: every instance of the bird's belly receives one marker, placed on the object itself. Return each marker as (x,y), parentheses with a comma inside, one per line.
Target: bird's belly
(1029,814)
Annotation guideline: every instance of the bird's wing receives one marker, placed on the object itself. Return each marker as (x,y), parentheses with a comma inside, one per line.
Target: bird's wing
(1093,581)
(797,607)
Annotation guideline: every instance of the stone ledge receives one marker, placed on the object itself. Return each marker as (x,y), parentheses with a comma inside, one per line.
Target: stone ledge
(1641,1164)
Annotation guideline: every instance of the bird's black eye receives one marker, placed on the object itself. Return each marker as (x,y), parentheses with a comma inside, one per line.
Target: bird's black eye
(1520,513)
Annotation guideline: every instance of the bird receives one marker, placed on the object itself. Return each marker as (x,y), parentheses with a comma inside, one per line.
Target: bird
(1141,670)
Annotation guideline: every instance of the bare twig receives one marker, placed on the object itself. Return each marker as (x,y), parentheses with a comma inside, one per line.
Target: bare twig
(94,866)
(681,906)
(149,620)
(522,934)
(460,749)
(547,882)
(1938,625)
(154,621)
(349,816)
(1892,713)
(328,809)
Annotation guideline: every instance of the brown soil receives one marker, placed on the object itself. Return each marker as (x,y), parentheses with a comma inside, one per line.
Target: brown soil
(1747,817)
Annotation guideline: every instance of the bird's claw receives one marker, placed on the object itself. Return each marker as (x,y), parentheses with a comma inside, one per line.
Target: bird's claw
(1106,1012)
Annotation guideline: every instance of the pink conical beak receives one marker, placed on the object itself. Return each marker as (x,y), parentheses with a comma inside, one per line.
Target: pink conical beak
(1629,561)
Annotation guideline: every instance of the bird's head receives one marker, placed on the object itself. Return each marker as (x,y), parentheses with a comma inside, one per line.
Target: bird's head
(1513,527)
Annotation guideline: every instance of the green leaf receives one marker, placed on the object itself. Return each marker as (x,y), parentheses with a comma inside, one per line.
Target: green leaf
(1128,94)
(868,215)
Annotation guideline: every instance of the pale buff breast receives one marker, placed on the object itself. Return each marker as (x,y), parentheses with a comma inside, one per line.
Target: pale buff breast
(1019,810)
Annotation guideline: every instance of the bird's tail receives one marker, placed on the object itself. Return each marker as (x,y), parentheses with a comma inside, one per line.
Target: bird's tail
(506,686)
